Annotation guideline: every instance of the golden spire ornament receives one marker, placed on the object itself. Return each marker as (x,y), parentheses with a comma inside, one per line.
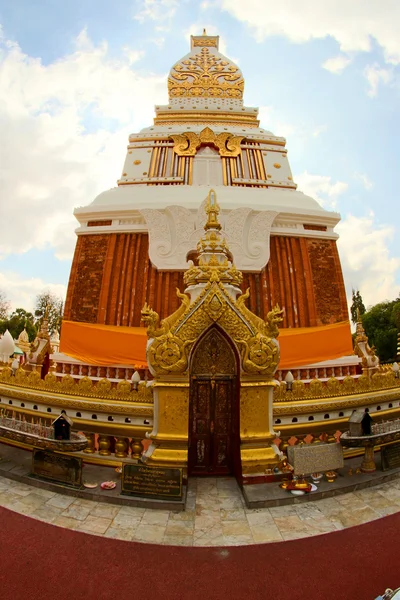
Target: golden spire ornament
(214,260)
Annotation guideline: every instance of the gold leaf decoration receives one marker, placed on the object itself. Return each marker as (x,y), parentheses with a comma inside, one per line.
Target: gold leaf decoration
(187,144)
(205,75)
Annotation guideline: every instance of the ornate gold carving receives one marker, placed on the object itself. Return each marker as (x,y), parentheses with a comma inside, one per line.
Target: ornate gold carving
(83,387)
(235,119)
(260,354)
(337,388)
(269,327)
(151,318)
(343,403)
(187,143)
(208,41)
(316,387)
(205,75)
(213,264)
(167,353)
(213,356)
(65,401)
(171,340)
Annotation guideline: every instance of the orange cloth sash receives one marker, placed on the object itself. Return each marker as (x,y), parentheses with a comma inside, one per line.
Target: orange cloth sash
(308,345)
(96,344)
(111,345)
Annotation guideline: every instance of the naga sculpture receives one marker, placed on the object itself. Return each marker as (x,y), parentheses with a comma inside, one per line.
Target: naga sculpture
(270,326)
(166,352)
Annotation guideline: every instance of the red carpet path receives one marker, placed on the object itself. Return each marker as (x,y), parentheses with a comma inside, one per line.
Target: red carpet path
(44,562)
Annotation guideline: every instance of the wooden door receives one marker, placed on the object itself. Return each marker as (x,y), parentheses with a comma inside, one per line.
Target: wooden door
(212,431)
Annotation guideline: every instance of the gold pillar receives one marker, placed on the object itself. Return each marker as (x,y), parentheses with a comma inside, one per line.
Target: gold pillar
(90,448)
(169,438)
(256,427)
(120,447)
(137,448)
(104,445)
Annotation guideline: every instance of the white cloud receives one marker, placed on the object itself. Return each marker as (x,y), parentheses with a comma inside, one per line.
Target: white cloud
(337,64)
(269,118)
(321,188)
(64,129)
(158,41)
(296,132)
(366,261)
(354,25)
(22,293)
(364,180)
(133,55)
(320,129)
(156,10)
(376,75)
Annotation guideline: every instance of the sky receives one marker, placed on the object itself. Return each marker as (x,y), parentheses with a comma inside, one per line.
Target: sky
(76,78)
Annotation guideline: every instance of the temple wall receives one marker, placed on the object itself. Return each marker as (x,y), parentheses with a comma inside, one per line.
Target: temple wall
(112,277)
(86,277)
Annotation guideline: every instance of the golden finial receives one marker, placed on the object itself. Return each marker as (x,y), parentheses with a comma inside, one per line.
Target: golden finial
(204,31)
(214,258)
(212,210)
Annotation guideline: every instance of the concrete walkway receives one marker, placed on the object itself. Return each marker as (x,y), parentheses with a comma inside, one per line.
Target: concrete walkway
(215,514)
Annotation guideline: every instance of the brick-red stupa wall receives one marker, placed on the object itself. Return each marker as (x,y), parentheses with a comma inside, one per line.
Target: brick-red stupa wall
(112,277)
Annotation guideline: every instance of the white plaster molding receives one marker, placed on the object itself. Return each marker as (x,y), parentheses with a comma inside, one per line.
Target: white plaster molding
(248,235)
(175,231)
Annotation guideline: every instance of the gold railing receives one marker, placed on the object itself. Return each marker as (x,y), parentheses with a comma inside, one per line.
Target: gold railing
(104,388)
(113,446)
(335,387)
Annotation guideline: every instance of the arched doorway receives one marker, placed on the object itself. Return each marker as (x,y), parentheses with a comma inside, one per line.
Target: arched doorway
(213,407)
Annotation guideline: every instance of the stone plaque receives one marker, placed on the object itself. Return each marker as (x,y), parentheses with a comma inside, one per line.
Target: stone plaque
(315,458)
(390,457)
(152,482)
(58,467)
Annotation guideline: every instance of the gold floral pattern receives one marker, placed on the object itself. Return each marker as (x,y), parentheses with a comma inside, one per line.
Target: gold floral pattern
(83,387)
(205,75)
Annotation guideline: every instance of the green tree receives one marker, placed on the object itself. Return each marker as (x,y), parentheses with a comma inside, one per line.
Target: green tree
(55,306)
(4,306)
(381,323)
(16,323)
(357,304)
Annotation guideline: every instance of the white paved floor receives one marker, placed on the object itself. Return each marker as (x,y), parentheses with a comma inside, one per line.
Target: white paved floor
(215,514)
